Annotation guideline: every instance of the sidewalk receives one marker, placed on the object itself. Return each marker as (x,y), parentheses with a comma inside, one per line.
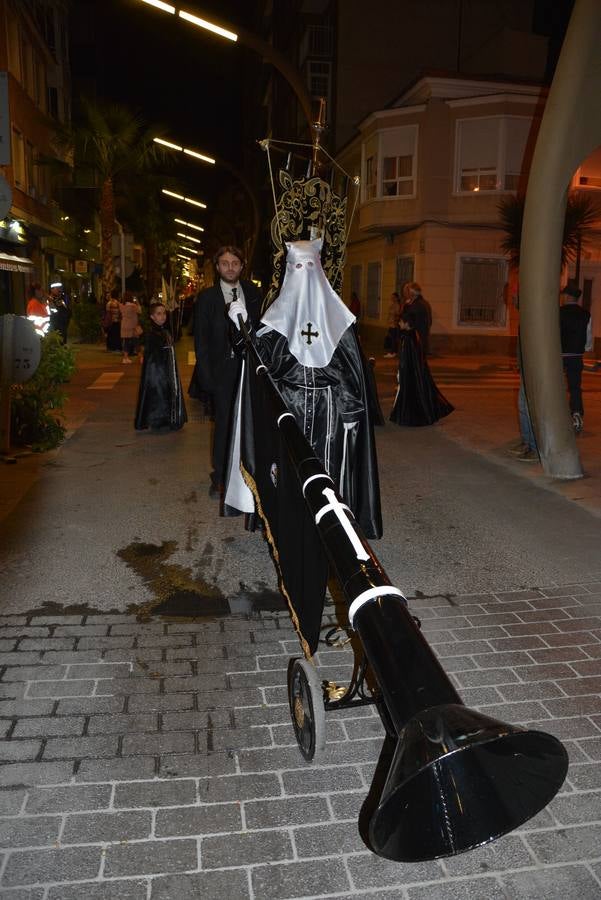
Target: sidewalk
(149,756)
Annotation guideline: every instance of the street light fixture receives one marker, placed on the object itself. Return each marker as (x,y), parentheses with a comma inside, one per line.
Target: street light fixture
(186,150)
(269,53)
(185,199)
(188,237)
(188,224)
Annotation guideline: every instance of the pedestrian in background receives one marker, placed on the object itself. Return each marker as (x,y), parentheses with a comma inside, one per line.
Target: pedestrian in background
(391,341)
(60,310)
(37,309)
(130,329)
(418,401)
(576,338)
(112,322)
(417,313)
(160,405)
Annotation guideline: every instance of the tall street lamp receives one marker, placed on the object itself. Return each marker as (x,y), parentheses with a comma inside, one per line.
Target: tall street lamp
(289,72)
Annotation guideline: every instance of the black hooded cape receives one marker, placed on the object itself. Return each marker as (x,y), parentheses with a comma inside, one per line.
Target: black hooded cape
(160,400)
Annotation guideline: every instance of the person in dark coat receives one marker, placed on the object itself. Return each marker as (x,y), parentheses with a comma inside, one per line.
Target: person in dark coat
(576,338)
(418,401)
(217,364)
(417,313)
(160,404)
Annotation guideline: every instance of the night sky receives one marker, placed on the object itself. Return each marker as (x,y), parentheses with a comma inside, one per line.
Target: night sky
(192,85)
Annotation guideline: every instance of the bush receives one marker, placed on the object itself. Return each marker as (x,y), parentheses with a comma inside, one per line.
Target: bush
(86,316)
(34,403)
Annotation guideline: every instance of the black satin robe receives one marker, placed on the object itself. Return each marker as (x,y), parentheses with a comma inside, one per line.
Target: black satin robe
(333,408)
(160,404)
(418,401)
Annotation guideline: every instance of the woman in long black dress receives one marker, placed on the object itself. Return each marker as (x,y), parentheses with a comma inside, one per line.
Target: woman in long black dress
(418,401)
(160,404)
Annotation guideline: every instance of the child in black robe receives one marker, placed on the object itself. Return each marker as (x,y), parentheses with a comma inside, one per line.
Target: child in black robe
(160,404)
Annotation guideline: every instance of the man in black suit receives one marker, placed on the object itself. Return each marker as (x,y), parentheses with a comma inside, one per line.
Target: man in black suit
(217,363)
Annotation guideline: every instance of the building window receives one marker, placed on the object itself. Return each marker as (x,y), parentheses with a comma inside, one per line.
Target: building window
(18,159)
(374,277)
(393,154)
(404,272)
(589,174)
(357,281)
(482,291)
(53,102)
(371,177)
(319,78)
(14,48)
(490,153)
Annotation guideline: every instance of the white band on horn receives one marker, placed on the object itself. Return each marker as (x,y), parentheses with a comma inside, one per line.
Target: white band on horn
(283,416)
(314,478)
(258,369)
(371,594)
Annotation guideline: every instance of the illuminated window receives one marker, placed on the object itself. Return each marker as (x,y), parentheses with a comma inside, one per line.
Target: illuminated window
(490,153)
(371,177)
(390,163)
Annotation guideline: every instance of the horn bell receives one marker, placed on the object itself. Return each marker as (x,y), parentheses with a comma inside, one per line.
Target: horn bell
(459,779)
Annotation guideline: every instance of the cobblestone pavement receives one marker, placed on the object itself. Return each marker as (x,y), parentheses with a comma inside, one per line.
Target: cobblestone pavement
(156,760)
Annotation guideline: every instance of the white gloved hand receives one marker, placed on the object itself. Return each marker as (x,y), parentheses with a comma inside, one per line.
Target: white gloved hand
(237,308)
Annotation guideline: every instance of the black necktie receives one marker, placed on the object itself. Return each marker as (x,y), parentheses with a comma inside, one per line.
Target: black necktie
(234,294)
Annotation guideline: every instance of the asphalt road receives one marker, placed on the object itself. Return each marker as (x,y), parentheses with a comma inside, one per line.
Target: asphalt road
(119,520)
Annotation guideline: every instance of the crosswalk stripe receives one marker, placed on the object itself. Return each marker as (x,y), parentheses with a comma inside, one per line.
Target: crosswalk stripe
(106,381)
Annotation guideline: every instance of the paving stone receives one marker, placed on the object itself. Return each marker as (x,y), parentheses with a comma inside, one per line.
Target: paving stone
(89,706)
(472,889)
(571,638)
(155,793)
(127,769)
(58,619)
(370,871)
(194,720)
(156,744)
(187,821)
(534,690)
(57,689)
(164,640)
(161,702)
(13,690)
(199,765)
(244,849)
(508,852)
(566,844)
(149,857)
(105,643)
(317,781)
(554,883)
(129,889)
(574,809)
(99,670)
(35,773)
(48,726)
(80,630)
(299,879)
(47,644)
(347,805)
(228,885)
(202,683)
(23,894)
(19,659)
(128,686)
(34,673)
(82,747)
(272,759)
(17,751)
(11,801)
(324,840)
(515,713)
(42,866)
(37,831)
(69,798)
(123,724)
(24,631)
(586,776)
(94,828)
(576,727)
(238,787)
(286,812)
(576,686)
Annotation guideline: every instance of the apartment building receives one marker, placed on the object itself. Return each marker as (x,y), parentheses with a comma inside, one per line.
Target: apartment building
(35,94)
(434,166)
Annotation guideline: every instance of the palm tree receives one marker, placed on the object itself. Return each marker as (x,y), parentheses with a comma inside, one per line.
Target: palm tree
(582,216)
(114,142)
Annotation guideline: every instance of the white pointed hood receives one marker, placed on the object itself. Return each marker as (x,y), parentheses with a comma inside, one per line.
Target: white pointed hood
(307,311)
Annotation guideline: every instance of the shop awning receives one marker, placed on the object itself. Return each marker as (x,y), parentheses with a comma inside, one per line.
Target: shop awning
(15,263)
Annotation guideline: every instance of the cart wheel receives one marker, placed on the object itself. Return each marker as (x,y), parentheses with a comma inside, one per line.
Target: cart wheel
(305,696)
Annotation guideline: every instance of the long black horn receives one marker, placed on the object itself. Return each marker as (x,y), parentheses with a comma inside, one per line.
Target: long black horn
(458,779)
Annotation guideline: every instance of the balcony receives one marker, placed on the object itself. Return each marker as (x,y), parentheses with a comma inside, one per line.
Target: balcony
(317,43)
